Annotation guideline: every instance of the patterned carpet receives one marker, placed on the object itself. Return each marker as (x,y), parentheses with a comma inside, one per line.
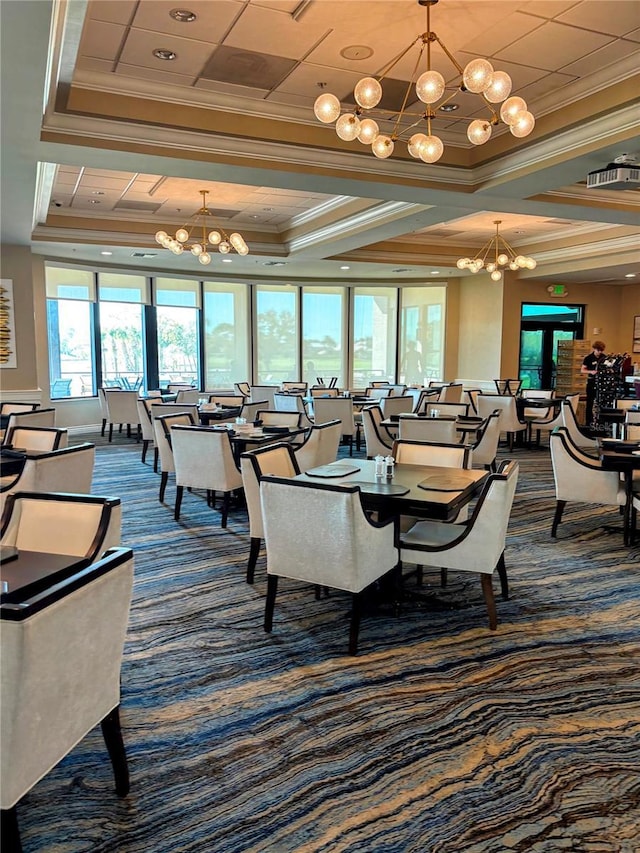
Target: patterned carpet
(440,737)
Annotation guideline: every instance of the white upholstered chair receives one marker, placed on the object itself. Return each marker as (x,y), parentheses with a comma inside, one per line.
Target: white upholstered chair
(378,440)
(162,431)
(265,392)
(35,438)
(60,677)
(432,453)
(510,423)
(33,417)
(570,423)
(396,405)
(249,411)
(272,417)
(508,386)
(192,395)
(428,429)
(485,448)
(426,395)
(339,408)
(203,459)
(146,426)
(553,419)
(356,554)
(320,446)
(122,408)
(451,393)
(476,546)
(242,388)
(454,409)
(579,477)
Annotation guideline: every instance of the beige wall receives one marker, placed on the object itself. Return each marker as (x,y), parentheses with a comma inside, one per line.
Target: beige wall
(16,265)
(480,328)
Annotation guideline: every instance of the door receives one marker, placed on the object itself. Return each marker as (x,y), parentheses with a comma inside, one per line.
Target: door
(541,327)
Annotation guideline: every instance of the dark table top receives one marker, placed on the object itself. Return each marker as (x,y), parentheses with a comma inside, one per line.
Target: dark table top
(11,461)
(26,573)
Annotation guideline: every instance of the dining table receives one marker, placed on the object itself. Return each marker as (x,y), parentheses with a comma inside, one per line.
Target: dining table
(219,413)
(624,457)
(468,426)
(25,573)
(247,437)
(12,461)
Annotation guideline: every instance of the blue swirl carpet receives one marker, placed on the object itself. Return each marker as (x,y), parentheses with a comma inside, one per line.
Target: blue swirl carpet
(440,737)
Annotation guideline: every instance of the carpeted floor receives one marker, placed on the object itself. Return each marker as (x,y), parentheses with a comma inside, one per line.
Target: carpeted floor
(440,737)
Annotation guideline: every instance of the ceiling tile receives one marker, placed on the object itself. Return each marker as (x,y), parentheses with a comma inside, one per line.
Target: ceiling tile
(304,80)
(102,40)
(156,74)
(550,83)
(615,17)
(510,29)
(272,31)
(247,68)
(553,45)
(115,11)
(231,89)
(549,8)
(634,35)
(191,56)
(607,55)
(213,19)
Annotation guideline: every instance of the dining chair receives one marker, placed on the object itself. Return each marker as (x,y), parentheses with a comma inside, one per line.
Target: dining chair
(242,388)
(162,432)
(179,386)
(396,405)
(295,386)
(398,390)
(477,546)
(357,554)
(377,392)
(203,459)
(249,411)
(291,403)
(451,393)
(265,392)
(34,417)
(157,409)
(580,477)
(485,448)
(378,440)
(510,423)
(383,383)
(80,525)
(61,661)
(323,391)
(104,412)
(69,469)
(446,409)
(272,417)
(278,459)
(10,408)
(508,386)
(554,418)
(472,395)
(191,395)
(447,454)
(428,429)
(146,425)
(426,395)
(320,446)
(570,423)
(37,438)
(122,408)
(338,408)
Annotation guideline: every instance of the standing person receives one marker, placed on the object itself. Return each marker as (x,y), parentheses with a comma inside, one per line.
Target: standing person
(412,365)
(590,364)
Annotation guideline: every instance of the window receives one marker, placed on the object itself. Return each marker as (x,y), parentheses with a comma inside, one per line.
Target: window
(178,323)
(277,334)
(70,329)
(226,342)
(323,348)
(122,329)
(374,335)
(422,334)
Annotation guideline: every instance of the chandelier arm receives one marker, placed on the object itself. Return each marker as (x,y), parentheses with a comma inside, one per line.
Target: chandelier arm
(484,251)
(509,247)
(410,127)
(395,134)
(391,65)
(452,59)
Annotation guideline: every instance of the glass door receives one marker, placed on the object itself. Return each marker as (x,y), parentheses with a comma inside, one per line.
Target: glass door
(541,327)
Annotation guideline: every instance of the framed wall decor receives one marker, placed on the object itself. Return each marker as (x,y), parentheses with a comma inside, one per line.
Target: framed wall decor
(636,333)
(8,325)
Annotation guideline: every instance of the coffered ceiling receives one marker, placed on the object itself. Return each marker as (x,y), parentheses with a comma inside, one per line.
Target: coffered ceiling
(126,140)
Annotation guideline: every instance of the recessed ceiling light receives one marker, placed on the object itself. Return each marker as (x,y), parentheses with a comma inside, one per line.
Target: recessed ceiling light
(356,51)
(630,275)
(518,232)
(97,192)
(164,53)
(268,209)
(184,16)
(94,201)
(106,253)
(227,261)
(449,108)
(345,268)
(435,272)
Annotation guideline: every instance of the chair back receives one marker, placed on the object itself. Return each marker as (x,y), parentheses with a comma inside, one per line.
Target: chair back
(249,411)
(296,387)
(230,400)
(320,446)
(383,383)
(336,409)
(531,412)
(191,445)
(61,668)
(34,438)
(350,557)
(452,410)
(324,391)
(242,388)
(278,459)
(377,440)
(428,429)
(179,386)
(580,477)
(396,405)
(486,447)
(570,423)
(286,403)
(188,396)
(34,417)
(509,422)
(426,395)
(508,386)
(9,408)
(397,390)
(271,417)
(451,393)
(61,523)
(472,396)
(144,419)
(377,392)
(122,406)
(162,432)
(441,454)
(265,392)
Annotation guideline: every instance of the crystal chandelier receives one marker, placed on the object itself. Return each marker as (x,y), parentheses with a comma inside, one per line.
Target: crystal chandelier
(499,254)
(478,77)
(193,237)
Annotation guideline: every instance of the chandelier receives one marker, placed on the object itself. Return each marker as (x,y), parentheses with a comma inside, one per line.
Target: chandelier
(477,77)
(500,254)
(195,237)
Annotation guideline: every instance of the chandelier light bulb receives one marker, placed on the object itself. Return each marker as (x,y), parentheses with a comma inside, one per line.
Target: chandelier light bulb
(479,131)
(348,127)
(462,263)
(237,241)
(531,264)
(224,248)
(503,259)
(513,266)
(477,75)
(204,258)
(367,93)
(214,237)
(491,267)
(500,87)
(182,235)
(326,108)
(431,149)
(511,108)
(178,249)
(415,144)
(521,261)
(496,275)
(160,236)
(430,87)
(196,249)
(522,124)
(368,131)
(382,146)
(478,264)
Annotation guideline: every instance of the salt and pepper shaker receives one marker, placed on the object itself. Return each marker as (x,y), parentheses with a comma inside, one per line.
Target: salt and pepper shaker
(380,466)
(389,462)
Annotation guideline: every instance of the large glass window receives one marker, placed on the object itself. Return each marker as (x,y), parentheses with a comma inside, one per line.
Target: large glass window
(374,335)
(122,329)
(70,332)
(177,314)
(226,342)
(277,334)
(422,334)
(323,352)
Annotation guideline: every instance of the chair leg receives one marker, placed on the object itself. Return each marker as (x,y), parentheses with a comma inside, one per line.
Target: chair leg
(419,575)
(10,833)
(560,505)
(272,589)
(225,509)
(179,493)
(104,426)
(253,558)
(444,576)
(145,447)
(490,601)
(110,432)
(163,485)
(112,733)
(354,627)
(502,574)
(155,460)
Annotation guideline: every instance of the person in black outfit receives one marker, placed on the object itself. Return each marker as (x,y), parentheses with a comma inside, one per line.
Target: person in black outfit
(590,368)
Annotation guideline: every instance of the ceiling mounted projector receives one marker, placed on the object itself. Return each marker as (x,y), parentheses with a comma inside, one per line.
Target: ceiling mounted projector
(622,174)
